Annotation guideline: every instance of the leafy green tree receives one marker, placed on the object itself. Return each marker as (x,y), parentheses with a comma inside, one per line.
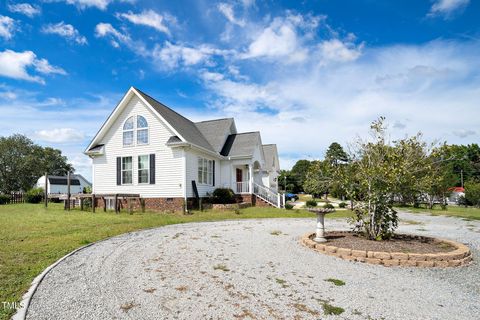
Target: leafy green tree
(22,162)
(472,193)
(335,154)
(318,179)
(298,174)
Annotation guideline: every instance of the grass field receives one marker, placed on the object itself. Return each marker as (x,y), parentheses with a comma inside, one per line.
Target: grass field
(32,237)
(454,211)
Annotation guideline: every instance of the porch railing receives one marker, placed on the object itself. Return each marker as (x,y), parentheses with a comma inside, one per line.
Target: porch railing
(242,187)
(274,198)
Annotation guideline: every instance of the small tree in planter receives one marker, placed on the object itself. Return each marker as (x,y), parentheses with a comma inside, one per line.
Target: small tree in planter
(372,177)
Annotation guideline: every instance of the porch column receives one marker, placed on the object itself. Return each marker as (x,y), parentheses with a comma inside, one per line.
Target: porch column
(250,178)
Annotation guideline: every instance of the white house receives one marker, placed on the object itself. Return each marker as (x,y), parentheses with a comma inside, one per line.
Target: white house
(59,184)
(146,148)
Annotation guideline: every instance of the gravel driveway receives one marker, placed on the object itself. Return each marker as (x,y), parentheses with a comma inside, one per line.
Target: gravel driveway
(253,269)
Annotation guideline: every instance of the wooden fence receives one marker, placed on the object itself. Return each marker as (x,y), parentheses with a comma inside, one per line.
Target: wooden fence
(17,197)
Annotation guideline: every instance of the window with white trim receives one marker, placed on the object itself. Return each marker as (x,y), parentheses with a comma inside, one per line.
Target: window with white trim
(127,170)
(128,131)
(205,171)
(144,169)
(142,130)
(132,127)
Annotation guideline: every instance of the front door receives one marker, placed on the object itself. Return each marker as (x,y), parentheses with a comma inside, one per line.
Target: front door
(239,180)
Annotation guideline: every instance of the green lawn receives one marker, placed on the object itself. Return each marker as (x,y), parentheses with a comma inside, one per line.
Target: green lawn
(454,211)
(32,237)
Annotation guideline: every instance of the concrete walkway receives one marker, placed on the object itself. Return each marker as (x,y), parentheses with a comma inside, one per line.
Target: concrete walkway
(253,269)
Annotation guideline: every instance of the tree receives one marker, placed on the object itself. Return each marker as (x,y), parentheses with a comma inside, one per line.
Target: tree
(472,193)
(22,162)
(298,174)
(318,178)
(335,154)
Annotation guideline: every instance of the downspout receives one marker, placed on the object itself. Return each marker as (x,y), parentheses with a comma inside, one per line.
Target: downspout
(185,181)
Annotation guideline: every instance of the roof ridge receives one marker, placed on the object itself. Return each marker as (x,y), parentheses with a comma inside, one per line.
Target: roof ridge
(269,144)
(229,118)
(248,132)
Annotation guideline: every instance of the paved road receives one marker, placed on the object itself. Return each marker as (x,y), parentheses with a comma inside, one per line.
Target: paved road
(253,269)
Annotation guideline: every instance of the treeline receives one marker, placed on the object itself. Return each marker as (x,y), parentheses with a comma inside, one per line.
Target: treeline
(421,173)
(22,162)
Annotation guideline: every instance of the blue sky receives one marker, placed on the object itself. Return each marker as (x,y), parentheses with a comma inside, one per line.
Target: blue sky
(305,73)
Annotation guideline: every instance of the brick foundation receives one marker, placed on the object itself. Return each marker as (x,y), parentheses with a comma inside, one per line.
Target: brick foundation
(176,204)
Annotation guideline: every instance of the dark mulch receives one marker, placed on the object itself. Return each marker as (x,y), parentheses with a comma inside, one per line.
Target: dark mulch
(399,243)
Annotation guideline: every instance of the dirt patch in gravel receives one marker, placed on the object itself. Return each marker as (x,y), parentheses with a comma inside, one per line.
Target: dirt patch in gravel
(399,243)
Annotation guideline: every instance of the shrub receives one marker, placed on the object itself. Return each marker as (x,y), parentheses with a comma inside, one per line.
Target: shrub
(288,206)
(328,206)
(311,203)
(223,195)
(4,199)
(342,205)
(34,195)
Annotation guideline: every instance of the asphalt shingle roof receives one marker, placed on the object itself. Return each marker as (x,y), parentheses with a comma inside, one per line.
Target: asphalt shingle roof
(270,152)
(215,131)
(241,144)
(186,128)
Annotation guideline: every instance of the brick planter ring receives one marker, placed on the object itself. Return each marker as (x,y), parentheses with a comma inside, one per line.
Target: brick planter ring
(459,257)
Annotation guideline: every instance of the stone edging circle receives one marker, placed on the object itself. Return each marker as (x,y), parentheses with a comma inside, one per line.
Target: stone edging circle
(459,257)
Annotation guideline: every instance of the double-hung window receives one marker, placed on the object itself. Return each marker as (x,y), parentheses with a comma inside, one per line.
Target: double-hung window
(144,169)
(127,170)
(142,130)
(128,131)
(205,171)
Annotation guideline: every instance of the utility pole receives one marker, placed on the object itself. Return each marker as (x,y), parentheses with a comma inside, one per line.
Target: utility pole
(285,179)
(68,191)
(46,189)
(461,176)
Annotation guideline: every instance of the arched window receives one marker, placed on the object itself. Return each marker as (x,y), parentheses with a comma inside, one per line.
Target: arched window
(128,128)
(142,130)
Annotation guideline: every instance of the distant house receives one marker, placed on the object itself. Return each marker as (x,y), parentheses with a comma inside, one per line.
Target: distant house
(455,194)
(146,148)
(59,184)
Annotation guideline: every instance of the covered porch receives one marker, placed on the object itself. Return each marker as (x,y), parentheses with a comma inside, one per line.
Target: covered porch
(245,176)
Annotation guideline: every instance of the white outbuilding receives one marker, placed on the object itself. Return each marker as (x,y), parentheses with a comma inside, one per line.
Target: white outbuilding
(59,184)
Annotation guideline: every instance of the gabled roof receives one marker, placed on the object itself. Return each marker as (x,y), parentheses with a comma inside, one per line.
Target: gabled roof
(270,152)
(240,144)
(215,131)
(186,128)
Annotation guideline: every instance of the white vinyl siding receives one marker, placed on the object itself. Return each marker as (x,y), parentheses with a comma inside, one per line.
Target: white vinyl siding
(169,168)
(192,173)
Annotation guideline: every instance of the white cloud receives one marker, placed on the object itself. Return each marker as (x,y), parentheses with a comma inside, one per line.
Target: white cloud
(25,8)
(65,30)
(150,18)
(285,39)
(60,135)
(82,4)
(227,10)
(338,51)
(426,84)
(447,8)
(107,30)
(7,27)
(171,55)
(463,133)
(15,65)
